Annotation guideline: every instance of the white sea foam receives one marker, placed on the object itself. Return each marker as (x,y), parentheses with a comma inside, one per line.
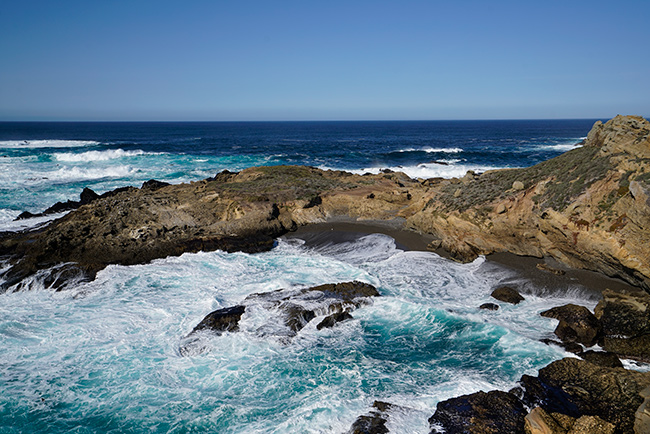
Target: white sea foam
(433,150)
(427,170)
(79,173)
(88,156)
(7,222)
(562,147)
(107,344)
(52,143)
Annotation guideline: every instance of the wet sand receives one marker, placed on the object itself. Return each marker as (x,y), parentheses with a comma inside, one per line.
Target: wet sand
(526,274)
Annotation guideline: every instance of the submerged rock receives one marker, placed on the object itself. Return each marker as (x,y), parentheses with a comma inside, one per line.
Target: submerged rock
(577,324)
(292,310)
(493,412)
(222,320)
(331,320)
(508,295)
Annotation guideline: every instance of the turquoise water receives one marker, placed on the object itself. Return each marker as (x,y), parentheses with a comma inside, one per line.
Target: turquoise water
(105,355)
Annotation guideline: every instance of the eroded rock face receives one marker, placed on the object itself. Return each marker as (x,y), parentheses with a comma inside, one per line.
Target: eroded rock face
(493,412)
(587,208)
(576,324)
(601,358)
(625,320)
(538,421)
(578,388)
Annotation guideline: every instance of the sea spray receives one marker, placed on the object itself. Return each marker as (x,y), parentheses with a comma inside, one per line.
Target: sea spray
(106,355)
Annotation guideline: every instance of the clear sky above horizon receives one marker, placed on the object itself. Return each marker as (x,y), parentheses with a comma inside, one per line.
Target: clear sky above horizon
(308,60)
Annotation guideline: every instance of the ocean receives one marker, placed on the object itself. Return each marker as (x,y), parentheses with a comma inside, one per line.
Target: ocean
(105,356)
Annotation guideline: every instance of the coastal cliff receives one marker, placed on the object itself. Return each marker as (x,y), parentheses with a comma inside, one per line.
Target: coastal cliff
(588,208)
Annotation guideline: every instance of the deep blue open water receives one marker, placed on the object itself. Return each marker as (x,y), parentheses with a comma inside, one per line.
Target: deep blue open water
(104,356)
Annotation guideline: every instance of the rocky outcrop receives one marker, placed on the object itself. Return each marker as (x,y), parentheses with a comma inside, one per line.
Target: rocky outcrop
(588,208)
(625,320)
(508,295)
(576,324)
(242,211)
(291,309)
(601,358)
(374,422)
(578,388)
(222,320)
(493,412)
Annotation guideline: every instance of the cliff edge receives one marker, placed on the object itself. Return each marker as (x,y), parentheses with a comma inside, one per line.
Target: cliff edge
(588,208)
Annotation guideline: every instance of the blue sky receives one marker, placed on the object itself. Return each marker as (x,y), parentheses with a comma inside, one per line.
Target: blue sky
(303,60)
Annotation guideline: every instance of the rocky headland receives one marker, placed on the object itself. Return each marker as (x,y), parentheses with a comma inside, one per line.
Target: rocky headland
(588,208)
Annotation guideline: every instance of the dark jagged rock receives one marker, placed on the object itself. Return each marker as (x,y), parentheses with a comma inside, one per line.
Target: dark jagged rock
(578,388)
(577,324)
(572,347)
(333,319)
(222,320)
(552,399)
(489,306)
(346,291)
(86,197)
(374,422)
(296,316)
(154,185)
(494,412)
(507,295)
(223,176)
(25,215)
(61,207)
(601,358)
(625,321)
(295,308)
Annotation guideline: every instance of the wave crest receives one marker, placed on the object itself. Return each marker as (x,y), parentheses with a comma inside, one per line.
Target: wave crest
(110,154)
(51,143)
